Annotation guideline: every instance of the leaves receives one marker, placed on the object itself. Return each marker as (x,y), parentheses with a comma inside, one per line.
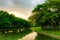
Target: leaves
(47,13)
(9,21)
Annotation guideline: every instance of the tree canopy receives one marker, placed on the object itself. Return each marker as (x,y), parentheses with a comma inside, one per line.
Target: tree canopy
(10,22)
(47,15)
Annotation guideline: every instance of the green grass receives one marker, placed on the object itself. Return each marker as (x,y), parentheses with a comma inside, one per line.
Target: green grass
(1,36)
(45,37)
(38,29)
(14,36)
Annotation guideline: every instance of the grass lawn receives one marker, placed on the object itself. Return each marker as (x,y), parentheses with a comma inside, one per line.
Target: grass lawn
(38,29)
(42,37)
(14,36)
(1,37)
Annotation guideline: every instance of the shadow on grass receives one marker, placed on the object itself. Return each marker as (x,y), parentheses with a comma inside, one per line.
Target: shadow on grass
(44,37)
(15,36)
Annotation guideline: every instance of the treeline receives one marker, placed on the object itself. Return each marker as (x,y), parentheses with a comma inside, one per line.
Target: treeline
(10,22)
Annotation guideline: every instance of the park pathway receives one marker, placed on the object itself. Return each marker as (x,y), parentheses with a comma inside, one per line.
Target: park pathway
(30,36)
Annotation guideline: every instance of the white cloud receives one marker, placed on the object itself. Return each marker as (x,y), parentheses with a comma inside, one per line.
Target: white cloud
(9,2)
(21,6)
(38,1)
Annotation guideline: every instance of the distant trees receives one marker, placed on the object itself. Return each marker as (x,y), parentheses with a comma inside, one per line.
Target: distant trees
(47,15)
(10,22)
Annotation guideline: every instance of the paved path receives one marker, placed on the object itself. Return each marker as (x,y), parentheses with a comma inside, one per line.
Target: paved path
(30,36)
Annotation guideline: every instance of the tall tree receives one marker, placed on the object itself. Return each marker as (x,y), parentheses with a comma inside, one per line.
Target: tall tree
(47,15)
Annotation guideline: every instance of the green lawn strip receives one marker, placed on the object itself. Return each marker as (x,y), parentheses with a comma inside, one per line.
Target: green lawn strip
(38,29)
(45,36)
(1,36)
(52,34)
(15,36)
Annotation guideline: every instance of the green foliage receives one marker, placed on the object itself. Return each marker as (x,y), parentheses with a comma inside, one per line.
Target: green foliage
(47,15)
(10,22)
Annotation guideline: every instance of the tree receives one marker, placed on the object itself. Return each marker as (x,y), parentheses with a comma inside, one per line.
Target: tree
(47,15)
(10,22)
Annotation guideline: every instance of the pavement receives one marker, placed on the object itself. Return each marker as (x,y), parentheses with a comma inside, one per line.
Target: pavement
(30,36)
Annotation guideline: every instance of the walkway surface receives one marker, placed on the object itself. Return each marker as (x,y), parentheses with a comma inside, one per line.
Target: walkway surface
(30,36)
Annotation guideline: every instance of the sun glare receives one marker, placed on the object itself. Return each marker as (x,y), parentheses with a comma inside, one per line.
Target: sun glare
(20,15)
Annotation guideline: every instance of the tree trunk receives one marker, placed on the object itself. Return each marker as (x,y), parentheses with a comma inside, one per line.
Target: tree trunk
(59,22)
(52,25)
(58,25)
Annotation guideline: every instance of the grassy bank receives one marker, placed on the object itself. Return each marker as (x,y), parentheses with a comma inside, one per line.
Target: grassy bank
(46,37)
(55,35)
(14,36)
(38,29)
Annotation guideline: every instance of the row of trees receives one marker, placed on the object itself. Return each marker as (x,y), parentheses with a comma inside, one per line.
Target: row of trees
(47,15)
(10,22)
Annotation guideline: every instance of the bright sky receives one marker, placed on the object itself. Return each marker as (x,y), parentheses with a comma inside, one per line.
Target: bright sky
(21,8)
(20,15)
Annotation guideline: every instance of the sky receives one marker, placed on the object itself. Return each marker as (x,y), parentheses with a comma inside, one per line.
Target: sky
(21,8)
